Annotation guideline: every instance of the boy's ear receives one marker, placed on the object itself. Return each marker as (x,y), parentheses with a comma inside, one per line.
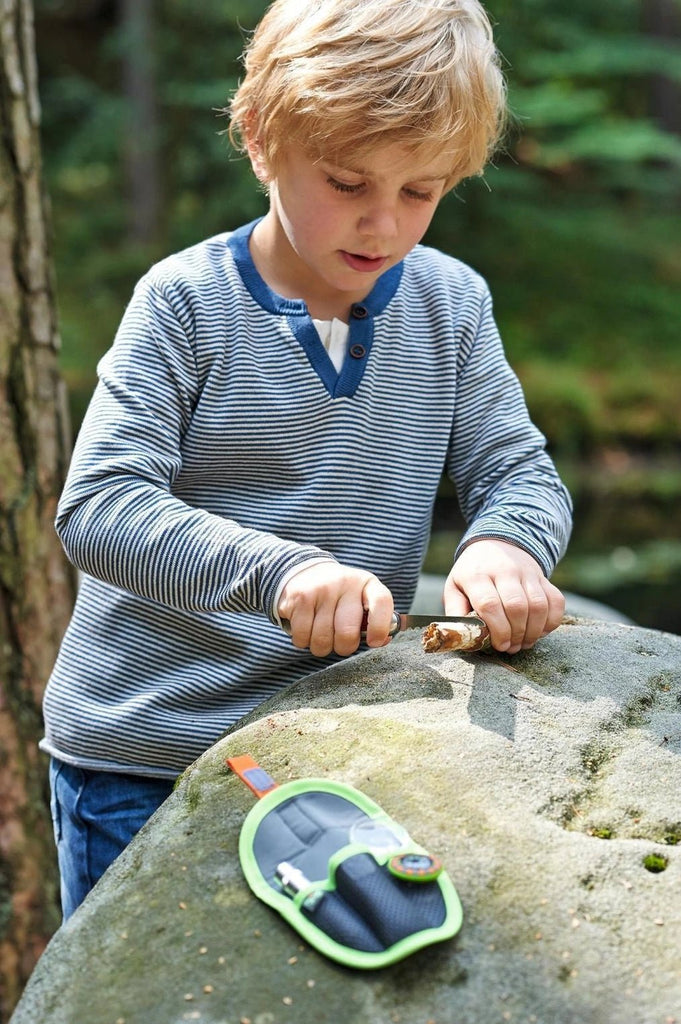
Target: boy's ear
(255,151)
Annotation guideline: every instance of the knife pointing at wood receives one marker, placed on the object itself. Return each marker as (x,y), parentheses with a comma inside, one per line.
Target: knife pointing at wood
(451,633)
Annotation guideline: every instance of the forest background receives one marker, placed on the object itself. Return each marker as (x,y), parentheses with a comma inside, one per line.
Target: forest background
(576,226)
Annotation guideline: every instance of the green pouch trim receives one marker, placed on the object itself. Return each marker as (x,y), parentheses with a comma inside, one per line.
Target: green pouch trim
(358,856)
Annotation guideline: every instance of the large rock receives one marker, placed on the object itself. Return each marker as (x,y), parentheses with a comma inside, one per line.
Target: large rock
(549,783)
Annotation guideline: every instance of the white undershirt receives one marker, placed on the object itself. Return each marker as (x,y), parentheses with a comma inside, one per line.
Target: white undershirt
(334,335)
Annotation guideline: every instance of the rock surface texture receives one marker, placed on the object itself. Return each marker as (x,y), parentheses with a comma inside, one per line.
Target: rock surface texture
(550,785)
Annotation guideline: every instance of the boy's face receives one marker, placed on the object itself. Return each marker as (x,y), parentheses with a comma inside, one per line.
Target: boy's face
(332,230)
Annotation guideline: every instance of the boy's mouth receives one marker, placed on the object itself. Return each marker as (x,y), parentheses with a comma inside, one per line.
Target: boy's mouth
(362,263)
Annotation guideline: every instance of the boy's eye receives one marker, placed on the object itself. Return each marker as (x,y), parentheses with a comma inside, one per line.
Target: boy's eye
(414,193)
(343,186)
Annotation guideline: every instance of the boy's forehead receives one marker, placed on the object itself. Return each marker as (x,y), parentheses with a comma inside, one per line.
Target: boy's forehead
(394,159)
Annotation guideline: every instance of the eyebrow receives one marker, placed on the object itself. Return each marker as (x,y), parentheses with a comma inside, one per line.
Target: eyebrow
(362,173)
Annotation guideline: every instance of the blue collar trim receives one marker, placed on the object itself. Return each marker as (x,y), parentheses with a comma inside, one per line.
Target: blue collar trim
(361,334)
(374,303)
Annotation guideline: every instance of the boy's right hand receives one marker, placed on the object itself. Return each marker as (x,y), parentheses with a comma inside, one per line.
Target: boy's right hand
(325,604)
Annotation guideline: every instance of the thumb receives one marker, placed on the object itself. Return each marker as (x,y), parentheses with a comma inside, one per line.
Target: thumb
(456,602)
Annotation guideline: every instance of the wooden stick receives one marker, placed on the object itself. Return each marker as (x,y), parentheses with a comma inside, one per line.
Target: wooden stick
(449,636)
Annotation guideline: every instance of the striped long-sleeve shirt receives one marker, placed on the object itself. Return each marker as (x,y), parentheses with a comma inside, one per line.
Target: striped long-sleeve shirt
(221,449)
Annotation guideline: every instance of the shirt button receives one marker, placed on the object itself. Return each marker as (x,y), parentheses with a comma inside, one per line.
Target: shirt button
(358,351)
(360,312)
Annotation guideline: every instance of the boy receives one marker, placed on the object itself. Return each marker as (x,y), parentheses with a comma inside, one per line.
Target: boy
(271,424)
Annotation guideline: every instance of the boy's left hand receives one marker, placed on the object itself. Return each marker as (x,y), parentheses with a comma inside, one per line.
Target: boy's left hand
(505,586)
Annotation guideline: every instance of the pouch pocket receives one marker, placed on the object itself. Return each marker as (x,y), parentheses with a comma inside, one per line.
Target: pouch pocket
(337,919)
(371,910)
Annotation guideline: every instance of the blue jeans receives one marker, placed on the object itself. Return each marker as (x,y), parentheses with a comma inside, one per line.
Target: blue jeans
(95,815)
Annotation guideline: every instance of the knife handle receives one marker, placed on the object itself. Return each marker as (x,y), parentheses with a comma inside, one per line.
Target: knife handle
(394,625)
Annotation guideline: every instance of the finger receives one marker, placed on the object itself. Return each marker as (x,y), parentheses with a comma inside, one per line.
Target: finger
(300,616)
(485,601)
(322,631)
(378,603)
(301,631)
(537,614)
(516,609)
(556,610)
(455,601)
(347,624)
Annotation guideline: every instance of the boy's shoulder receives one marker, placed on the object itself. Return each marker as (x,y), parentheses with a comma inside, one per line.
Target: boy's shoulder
(198,263)
(425,263)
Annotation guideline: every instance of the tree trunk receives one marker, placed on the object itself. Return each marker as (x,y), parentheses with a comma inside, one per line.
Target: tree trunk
(36,585)
(662,20)
(141,144)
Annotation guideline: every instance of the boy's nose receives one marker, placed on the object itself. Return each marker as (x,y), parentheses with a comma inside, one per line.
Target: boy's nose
(379,222)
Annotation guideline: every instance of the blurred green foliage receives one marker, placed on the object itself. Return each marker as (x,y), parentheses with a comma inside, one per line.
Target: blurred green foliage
(576,225)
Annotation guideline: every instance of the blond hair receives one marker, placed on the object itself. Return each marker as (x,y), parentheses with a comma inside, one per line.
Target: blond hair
(342,76)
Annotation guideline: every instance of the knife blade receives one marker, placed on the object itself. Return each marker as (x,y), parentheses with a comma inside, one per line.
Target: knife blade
(401,622)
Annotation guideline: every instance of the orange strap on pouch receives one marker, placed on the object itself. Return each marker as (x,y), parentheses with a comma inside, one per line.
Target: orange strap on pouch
(250,772)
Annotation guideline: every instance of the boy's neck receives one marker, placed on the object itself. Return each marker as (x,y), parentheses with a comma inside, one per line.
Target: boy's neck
(275,261)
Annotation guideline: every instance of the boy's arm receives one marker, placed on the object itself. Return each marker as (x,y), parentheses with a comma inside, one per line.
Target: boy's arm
(517,509)
(118,518)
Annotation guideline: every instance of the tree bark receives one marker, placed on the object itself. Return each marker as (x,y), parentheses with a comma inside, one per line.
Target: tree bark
(141,144)
(662,20)
(36,585)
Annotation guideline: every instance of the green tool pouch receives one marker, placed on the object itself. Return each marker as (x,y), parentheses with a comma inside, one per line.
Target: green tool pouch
(346,876)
